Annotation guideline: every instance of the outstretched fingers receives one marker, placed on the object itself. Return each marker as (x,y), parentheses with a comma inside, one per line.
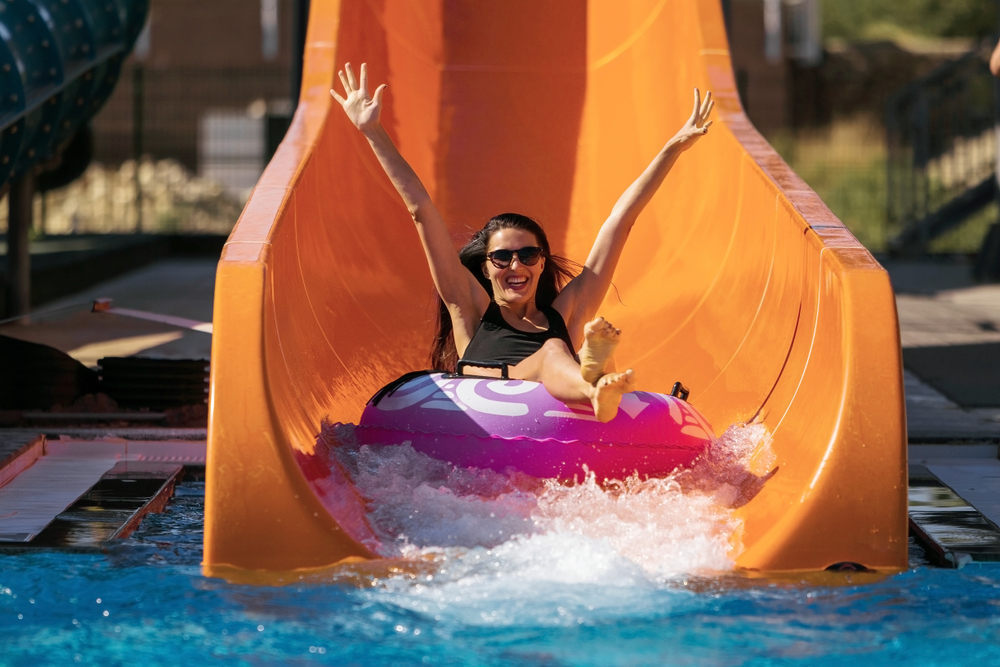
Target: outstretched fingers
(698,124)
(702,110)
(350,77)
(707,105)
(362,110)
(346,83)
(354,85)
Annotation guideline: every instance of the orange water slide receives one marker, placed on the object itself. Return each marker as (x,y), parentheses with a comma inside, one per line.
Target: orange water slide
(737,279)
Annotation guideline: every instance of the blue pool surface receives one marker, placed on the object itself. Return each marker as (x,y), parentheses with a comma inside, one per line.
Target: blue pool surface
(145,602)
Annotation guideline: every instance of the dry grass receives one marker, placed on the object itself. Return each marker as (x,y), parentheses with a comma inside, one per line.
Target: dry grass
(103,200)
(845,163)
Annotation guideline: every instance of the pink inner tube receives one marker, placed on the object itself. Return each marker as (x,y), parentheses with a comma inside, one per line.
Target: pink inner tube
(515,424)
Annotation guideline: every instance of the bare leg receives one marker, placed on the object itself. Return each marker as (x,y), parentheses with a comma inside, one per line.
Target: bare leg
(600,339)
(555,368)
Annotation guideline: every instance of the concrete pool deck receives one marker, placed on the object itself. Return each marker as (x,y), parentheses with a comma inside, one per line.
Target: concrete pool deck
(941,309)
(940,306)
(176,287)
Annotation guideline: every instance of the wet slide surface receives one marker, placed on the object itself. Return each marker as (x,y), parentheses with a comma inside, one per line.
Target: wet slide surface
(737,280)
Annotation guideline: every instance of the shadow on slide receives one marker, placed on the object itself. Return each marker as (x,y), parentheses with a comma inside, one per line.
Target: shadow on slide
(737,279)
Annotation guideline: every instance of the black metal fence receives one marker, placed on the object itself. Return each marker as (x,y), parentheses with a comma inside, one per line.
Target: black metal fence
(941,151)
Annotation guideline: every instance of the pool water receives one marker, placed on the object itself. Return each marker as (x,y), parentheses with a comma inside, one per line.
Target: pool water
(512,571)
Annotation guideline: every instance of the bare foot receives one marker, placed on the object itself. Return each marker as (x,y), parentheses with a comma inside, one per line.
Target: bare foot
(608,394)
(599,342)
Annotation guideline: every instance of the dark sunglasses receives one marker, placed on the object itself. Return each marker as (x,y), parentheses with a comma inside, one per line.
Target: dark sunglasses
(528,255)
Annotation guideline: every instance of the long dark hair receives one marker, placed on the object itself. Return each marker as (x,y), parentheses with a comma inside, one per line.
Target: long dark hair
(557,272)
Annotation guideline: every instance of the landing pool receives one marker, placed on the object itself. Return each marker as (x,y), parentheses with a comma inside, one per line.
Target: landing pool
(557,596)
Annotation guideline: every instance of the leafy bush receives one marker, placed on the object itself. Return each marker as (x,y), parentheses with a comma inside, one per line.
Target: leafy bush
(868,19)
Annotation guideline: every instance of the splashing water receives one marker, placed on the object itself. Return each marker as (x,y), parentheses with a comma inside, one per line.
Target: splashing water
(485,524)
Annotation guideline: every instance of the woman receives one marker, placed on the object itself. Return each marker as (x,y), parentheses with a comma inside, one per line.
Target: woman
(515,312)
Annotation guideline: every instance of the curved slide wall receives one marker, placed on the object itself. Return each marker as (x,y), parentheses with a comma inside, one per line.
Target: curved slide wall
(737,279)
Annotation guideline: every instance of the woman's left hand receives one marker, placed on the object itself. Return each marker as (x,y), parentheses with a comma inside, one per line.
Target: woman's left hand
(697,125)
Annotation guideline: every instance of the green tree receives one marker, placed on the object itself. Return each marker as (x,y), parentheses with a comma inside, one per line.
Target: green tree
(867,19)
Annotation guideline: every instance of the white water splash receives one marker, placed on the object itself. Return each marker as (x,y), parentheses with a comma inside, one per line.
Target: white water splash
(483,526)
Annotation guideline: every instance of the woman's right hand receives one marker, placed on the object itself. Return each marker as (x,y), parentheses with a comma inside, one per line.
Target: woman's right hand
(363,111)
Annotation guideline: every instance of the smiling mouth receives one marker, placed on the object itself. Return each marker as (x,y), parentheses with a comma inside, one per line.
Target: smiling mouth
(516,282)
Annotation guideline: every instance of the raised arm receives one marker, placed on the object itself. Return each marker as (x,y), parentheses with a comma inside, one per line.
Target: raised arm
(457,287)
(579,301)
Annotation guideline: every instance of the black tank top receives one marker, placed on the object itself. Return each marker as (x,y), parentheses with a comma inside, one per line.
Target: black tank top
(496,340)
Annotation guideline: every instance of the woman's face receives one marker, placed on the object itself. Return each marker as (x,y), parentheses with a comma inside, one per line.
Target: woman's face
(516,284)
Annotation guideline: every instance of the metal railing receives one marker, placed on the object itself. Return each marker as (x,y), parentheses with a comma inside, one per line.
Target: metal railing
(941,151)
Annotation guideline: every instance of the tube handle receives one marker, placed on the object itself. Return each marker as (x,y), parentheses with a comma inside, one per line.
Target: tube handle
(499,365)
(680,391)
